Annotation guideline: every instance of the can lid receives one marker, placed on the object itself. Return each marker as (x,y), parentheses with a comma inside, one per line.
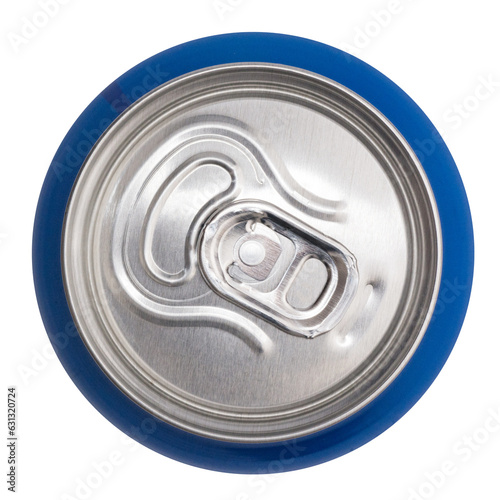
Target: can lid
(252,252)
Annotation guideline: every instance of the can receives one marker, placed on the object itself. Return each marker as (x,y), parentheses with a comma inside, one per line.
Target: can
(248,244)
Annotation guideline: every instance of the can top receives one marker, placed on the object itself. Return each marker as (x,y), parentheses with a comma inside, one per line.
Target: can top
(252,252)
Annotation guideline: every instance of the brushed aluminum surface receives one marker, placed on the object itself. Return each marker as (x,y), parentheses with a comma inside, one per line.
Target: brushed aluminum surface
(204,349)
(279,285)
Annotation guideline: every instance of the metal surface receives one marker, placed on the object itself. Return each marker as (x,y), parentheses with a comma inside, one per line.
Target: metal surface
(260,258)
(251,252)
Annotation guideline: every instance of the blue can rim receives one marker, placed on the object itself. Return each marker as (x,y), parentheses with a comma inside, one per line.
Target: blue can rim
(429,357)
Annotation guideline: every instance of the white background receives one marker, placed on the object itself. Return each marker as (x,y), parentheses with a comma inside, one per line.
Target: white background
(438,52)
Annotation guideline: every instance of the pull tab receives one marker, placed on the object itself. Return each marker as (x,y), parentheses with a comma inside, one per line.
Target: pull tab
(278,268)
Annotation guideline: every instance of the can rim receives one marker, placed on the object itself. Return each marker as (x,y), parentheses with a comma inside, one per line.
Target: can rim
(456,277)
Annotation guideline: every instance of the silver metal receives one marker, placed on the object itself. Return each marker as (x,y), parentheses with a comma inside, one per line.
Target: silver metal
(252,252)
(263,287)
